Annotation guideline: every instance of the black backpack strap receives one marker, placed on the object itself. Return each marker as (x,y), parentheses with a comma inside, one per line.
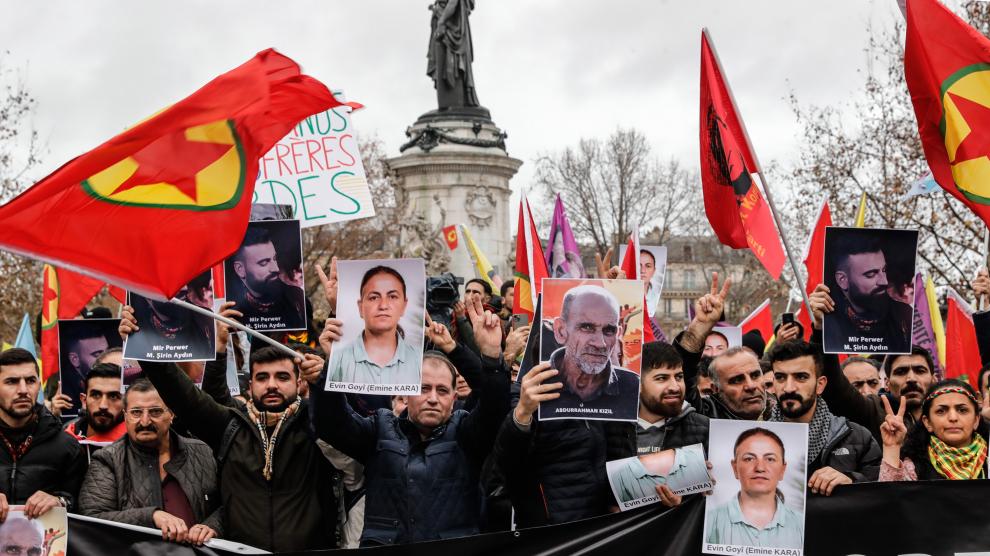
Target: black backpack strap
(233,426)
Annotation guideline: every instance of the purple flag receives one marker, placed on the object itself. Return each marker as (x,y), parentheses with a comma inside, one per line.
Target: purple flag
(563,255)
(922,333)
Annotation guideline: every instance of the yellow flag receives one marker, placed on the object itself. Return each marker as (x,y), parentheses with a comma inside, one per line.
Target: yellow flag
(861,213)
(485,270)
(937,327)
(5,346)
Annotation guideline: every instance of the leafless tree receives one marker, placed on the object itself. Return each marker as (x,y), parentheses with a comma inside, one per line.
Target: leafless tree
(612,184)
(872,146)
(20,286)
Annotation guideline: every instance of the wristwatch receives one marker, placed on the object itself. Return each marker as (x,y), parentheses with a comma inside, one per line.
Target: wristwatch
(63,501)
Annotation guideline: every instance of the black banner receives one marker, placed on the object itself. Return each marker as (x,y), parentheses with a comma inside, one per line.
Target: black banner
(941,518)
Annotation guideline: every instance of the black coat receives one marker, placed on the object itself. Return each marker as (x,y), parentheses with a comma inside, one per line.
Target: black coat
(555,471)
(420,489)
(55,463)
(292,512)
(690,427)
(850,450)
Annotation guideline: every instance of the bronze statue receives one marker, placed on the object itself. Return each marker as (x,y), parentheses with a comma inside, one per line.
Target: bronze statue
(451,53)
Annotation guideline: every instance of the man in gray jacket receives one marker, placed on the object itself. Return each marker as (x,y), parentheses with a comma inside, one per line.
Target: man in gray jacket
(153,476)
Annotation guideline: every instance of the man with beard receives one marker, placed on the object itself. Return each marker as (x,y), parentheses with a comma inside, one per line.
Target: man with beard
(665,420)
(275,483)
(908,377)
(41,467)
(83,346)
(588,328)
(840,452)
(103,419)
(864,308)
(260,295)
(165,323)
(154,477)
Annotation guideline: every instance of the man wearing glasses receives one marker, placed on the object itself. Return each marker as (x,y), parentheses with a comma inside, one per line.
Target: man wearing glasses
(153,476)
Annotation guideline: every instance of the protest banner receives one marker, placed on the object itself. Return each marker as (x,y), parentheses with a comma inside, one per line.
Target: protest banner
(634,480)
(870,274)
(595,342)
(41,536)
(381,303)
(317,170)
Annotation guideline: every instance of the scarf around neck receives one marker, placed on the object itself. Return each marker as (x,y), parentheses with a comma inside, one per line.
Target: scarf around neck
(819,428)
(958,463)
(265,419)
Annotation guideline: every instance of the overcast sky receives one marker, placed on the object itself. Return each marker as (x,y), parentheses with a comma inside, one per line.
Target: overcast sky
(550,71)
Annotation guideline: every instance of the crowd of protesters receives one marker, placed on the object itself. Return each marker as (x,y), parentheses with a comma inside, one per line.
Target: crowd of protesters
(288,466)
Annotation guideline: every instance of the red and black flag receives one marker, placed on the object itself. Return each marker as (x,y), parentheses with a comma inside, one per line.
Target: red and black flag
(736,209)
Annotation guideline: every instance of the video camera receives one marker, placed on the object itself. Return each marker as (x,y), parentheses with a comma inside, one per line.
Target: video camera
(441,294)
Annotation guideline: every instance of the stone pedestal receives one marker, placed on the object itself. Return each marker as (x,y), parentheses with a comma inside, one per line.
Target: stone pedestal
(454,169)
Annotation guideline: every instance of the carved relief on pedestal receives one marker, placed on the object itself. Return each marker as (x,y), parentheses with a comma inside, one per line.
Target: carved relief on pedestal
(481,206)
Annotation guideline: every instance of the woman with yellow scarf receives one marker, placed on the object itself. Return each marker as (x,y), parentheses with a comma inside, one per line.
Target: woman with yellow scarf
(948,443)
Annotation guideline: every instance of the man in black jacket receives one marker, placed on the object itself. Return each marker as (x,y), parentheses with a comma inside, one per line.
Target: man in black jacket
(422,468)
(41,467)
(274,482)
(153,476)
(666,421)
(840,452)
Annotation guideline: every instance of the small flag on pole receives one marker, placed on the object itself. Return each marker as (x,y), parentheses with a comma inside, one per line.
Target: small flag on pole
(450,236)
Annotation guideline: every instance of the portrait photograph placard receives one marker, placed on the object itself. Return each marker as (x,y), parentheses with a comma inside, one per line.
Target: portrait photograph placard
(80,343)
(264,277)
(170,332)
(382,304)
(870,276)
(759,471)
(634,480)
(592,334)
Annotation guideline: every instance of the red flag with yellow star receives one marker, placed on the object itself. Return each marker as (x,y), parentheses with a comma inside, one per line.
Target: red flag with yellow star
(64,295)
(167,199)
(947,69)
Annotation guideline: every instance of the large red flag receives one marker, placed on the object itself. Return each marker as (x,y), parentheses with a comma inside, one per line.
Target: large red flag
(735,207)
(962,357)
(531,265)
(947,68)
(814,262)
(158,204)
(64,295)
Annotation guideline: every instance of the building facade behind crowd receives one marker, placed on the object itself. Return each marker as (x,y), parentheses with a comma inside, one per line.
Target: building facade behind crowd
(446,462)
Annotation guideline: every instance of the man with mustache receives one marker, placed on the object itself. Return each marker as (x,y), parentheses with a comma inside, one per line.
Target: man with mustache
(840,452)
(863,308)
(274,481)
(588,328)
(908,377)
(260,295)
(41,467)
(153,476)
(103,420)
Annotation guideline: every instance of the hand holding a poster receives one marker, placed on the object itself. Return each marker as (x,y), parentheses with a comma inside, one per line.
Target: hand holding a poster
(533,391)
(60,403)
(310,367)
(667,496)
(981,286)
(39,503)
(821,303)
(223,330)
(487,328)
(332,332)
(515,342)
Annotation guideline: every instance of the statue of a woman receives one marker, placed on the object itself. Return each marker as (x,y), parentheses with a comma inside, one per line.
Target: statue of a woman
(451,53)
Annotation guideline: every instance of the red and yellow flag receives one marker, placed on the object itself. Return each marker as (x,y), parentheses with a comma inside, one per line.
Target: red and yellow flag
(736,209)
(158,204)
(450,235)
(947,69)
(531,265)
(64,295)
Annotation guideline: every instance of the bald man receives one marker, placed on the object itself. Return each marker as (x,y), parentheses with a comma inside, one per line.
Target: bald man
(588,328)
(21,536)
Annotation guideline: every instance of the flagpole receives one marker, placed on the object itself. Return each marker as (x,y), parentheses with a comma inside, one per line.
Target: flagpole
(229,322)
(759,172)
(986,257)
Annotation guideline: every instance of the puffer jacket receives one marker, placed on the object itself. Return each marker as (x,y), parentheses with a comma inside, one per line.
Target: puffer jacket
(55,463)
(293,511)
(555,471)
(690,427)
(850,450)
(123,483)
